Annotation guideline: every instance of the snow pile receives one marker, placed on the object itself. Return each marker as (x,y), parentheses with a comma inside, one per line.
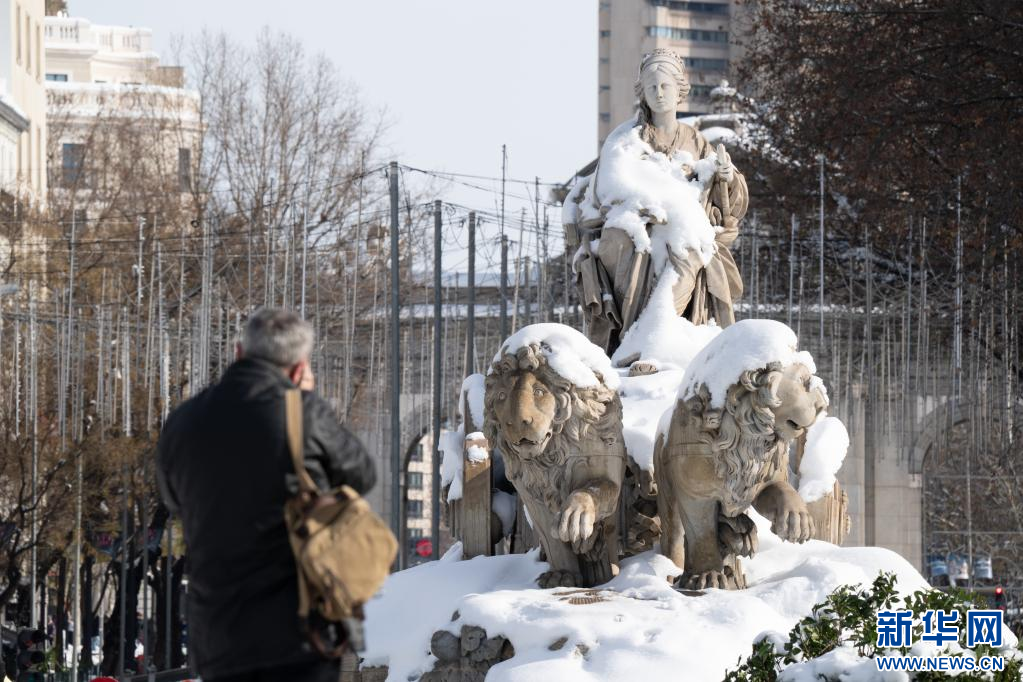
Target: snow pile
(719,135)
(637,186)
(475,453)
(644,400)
(473,387)
(575,210)
(452,442)
(635,627)
(504,505)
(660,335)
(745,345)
(826,444)
(568,352)
(842,663)
(669,342)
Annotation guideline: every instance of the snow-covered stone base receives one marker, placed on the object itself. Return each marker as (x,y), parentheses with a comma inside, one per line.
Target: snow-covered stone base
(636,627)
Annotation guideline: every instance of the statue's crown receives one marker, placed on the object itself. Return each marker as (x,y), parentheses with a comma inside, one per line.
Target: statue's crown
(662,54)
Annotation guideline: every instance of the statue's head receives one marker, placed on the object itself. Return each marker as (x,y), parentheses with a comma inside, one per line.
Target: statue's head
(662,84)
(530,410)
(526,402)
(800,401)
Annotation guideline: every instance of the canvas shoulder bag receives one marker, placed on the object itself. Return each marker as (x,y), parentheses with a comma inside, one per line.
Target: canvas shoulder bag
(343,550)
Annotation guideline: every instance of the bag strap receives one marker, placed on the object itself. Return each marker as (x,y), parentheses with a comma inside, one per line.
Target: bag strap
(293,426)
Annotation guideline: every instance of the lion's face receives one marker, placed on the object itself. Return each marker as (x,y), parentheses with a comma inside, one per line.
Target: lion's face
(800,402)
(525,407)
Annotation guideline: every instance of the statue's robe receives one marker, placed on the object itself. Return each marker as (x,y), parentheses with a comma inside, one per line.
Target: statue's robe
(616,281)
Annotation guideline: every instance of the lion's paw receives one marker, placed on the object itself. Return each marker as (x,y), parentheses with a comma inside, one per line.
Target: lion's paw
(724,579)
(737,535)
(551,579)
(794,525)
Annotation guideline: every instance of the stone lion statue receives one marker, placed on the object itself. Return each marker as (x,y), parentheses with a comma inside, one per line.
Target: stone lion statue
(715,463)
(563,451)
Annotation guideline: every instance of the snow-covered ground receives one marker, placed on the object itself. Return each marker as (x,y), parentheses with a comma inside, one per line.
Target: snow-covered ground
(636,627)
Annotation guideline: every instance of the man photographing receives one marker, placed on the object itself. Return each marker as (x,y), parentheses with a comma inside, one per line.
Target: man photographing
(225,470)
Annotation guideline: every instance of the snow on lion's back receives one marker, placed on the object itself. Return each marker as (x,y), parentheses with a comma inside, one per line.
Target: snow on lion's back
(568,352)
(745,345)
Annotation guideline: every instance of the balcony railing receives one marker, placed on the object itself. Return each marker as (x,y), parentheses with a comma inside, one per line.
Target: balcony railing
(82,32)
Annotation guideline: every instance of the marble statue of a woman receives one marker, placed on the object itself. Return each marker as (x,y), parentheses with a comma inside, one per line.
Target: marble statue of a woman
(627,229)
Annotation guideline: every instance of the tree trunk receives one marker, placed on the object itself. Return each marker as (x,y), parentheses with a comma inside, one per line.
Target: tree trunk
(111,633)
(159,584)
(60,606)
(88,624)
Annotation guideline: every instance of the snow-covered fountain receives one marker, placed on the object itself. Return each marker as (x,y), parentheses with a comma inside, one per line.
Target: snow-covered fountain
(675,468)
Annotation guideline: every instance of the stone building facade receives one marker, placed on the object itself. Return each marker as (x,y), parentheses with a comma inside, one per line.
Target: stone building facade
(22,99)
(106,89)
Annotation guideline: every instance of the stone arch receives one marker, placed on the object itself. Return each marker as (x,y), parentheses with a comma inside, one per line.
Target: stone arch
(940,420)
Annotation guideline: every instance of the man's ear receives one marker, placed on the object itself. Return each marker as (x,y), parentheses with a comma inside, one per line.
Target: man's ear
(238,352)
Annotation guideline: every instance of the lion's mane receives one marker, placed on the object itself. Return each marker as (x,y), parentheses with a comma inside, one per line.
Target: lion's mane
(584,416)
(743,434)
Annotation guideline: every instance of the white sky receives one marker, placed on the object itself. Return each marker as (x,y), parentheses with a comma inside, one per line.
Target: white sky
(458,78)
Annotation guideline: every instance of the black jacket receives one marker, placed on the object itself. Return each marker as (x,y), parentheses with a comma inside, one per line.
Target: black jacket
(224,468)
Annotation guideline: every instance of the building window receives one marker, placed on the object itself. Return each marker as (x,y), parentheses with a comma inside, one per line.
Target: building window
(417,454)
(414,509)
(605,60)
(414,533)
(692,34)
(73,164)
(40,166)
(17,29)
(28,44)
(185,169)
(414,479)
(605,34)
(57,77)
(605,117)
(702,91)
(701,7)
(703,64)
(605,88)
(604,6)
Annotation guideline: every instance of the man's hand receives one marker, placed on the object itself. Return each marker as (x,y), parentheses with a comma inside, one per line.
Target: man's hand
(308,380)
(725,170)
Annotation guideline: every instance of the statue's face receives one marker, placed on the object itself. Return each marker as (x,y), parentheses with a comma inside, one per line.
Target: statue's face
(660,91)
(800,403)
(526,409)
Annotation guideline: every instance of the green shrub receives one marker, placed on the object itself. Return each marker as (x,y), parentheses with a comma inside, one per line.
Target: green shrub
(849,618)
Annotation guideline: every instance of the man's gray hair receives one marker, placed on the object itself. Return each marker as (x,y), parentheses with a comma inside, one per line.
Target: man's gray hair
(277,335)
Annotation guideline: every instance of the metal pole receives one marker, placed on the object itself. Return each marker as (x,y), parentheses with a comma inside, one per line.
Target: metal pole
(504,168)
(125,541)
(305,238)
(437,351)
(76,639)
(470,322)
(792,262)
(395,362)
(820,301)
(869,468)
(123,615)
(958,375)
(504,287)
